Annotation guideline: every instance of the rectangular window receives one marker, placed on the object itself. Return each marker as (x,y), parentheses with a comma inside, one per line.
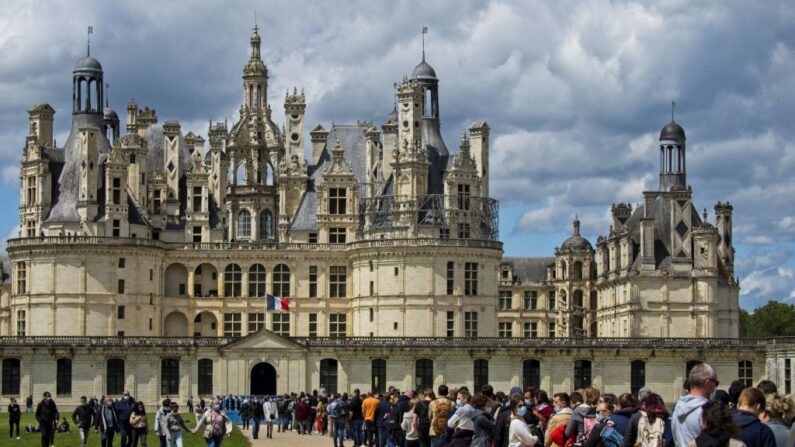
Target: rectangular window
(156,203)
(470,324)
(463,197)
(372,288)
(337,200)
(116,191)
(21,325)
(551,330)
(169,376)
(530,300)
(122,263)
(197,199)
(450,277)
(444,233)
(313,238)
(470,278)
(450,323)
(637,375)
(197,234)
(31,190)
(120,286)
(372,314)
(232,324)
(787,376)
(551,300)
(336,235)
(116,228)
(281,324)
(151,274)
(338,281)
(205,385)
(505,329)
(120,312)
(505,300)
(256,321)
(63,377)
(22,278)
(120,334)
(463,231)
(337,325)
(30,228)
(745,372)
(313,325)
(531,330)
(312,281)
(11,376)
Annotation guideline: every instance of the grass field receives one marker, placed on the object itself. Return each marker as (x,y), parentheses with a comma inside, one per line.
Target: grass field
(72,439)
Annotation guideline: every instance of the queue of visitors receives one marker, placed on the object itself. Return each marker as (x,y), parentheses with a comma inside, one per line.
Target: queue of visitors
(705,416)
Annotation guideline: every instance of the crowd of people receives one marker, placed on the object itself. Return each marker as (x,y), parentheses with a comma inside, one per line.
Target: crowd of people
(705,416)
(457,417)
(126,417)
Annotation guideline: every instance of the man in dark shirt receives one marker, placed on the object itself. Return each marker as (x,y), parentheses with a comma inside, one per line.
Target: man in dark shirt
(357,418)
(83,417)
(381,421)
(47,416)
(14,415)
(123,409)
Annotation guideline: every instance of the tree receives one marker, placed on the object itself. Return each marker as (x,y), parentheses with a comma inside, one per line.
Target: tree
(774,319)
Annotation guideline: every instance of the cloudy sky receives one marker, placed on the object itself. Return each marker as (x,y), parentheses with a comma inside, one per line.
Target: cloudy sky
(575,93)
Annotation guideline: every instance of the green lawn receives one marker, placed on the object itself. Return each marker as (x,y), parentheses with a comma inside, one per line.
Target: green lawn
(72,439)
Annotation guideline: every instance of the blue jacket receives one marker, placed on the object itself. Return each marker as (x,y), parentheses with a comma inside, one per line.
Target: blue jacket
(621,420)
(752,431)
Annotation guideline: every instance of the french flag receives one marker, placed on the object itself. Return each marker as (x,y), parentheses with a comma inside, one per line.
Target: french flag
(276,303)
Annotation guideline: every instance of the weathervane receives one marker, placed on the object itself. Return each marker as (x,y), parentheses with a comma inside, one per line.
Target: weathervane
(88,40)
(673,106)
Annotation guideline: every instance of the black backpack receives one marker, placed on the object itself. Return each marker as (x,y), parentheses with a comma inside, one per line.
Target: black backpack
(393,418)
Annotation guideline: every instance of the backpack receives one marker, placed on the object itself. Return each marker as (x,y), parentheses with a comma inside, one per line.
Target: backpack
(282,406)
(218,424)
(440,413)
(588,423)
(393,418)
(611,437)
(650,434)
(340,410)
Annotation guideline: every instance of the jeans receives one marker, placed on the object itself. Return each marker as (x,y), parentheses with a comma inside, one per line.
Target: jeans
(139,433)
(215,440)
(339,432)
(383,435)
(11,425)
(255,431)
(163,442)
(47,433)
(435,441)
(176,439)
(245,423)
(83,431)
(125,431)
(356,431)
(107,437)
(370,433)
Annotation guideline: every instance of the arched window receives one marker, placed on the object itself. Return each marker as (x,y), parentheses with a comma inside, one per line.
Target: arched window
(205,385)
(240,174)
(577,298)
(281,281)
(266,225)
(115,377)
(63,377)
(11,377)
(563,273)
(424,374)
(22,278)
(577,270)
(531,374)
(745,372)
(481,378)
(637,376)
(593,302)
(256,280)
(582,374)
(378,383)
(169,377)
(328,375)
(233,277)
(243,224)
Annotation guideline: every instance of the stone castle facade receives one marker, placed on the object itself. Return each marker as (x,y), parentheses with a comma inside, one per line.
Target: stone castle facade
(149,242)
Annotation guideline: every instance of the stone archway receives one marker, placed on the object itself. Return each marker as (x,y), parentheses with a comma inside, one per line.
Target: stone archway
(175,325)
(263,380)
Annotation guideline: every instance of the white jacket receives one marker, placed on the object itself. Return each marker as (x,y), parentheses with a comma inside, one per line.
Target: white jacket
(519,434)
(270,409)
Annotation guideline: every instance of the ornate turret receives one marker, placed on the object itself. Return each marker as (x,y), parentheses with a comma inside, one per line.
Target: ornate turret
(673,169)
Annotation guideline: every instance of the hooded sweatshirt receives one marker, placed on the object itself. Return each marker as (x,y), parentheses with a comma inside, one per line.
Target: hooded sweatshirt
(576,423)
(686,420)
(752,431)
(715,438)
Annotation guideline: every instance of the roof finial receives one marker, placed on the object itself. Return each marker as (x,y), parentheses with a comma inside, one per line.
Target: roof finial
(88,40)
(256,27)
(107,94)
(673,106)
(424,32)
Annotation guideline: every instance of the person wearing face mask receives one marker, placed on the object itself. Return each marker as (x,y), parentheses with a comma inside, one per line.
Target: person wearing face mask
(139,425)
(174,426)
(83,417)
(124,408)
(461,421)
(561,407)
(217,425)
(14,415)
(107,422)
(519,433)
(604,432)
(160,421)
(47,415)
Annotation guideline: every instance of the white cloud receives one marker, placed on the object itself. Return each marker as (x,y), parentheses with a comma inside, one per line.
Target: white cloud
(14,232)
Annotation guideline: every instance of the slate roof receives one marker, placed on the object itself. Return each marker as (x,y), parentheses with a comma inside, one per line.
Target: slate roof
(529,270)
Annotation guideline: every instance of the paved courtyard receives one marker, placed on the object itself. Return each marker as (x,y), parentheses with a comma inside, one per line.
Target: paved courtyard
(289,439)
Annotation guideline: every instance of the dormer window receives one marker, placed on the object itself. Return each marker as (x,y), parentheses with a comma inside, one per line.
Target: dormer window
(337,200)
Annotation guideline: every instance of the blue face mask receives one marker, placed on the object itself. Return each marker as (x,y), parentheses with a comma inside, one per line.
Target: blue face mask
(600,418)
(527,402)
(522,411)
(458,403)
(556,410)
